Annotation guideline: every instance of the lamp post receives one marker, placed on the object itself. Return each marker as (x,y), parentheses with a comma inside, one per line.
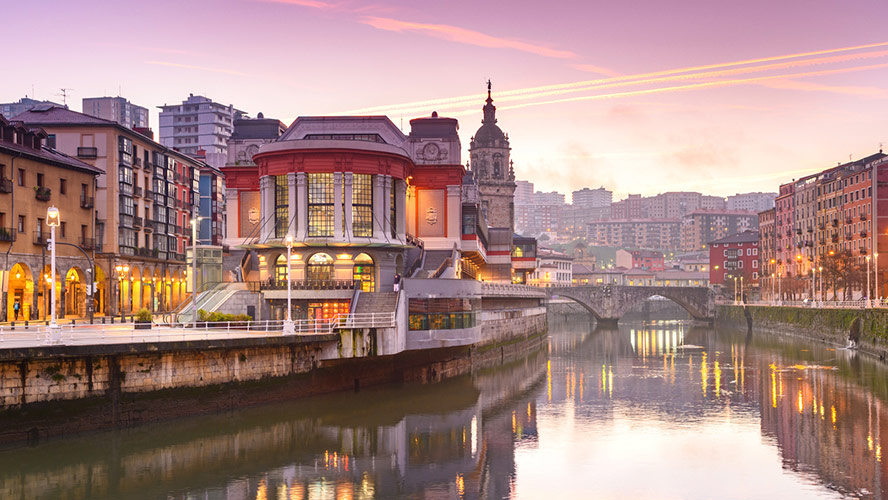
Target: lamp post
(194,221)
(876,277)
(53,218)
(121,272)
(741,289)
(289,327)
(820,269)
(867,281)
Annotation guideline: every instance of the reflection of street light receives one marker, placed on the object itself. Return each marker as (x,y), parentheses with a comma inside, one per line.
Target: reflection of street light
(53,219)
(289,327)
(867,281)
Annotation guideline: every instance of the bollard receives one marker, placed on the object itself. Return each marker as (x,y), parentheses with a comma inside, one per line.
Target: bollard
(112,320)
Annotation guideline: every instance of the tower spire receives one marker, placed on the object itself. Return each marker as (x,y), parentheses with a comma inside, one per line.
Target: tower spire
(489,108)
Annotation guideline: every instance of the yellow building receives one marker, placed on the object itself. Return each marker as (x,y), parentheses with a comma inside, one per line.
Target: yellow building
(34,177)
(145,196)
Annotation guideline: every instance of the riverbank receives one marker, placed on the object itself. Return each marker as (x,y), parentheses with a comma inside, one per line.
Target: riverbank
(58,391)
(835,326)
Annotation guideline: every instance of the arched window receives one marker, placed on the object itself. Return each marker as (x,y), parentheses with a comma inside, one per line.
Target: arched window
(280,269)
(319,268)
(365,273)
(496,169)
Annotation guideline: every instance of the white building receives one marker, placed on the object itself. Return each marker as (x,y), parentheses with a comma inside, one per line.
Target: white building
(116,109)
(752,202)
(199,124)
(553,269)
(592,198)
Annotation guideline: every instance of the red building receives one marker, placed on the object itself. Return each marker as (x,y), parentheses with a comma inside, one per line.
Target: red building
(640,259)
(734,257)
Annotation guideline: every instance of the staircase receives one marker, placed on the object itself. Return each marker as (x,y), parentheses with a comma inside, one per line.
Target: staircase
(209,300)
(376,302)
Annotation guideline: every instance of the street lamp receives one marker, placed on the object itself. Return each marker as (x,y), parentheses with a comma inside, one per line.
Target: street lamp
(820,269)
(876,276)
(194,221)
(289,327)
(53,219)
(121,272)
(867,281)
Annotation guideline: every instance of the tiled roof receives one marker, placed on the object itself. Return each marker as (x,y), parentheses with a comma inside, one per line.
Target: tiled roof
(744,237)
(56,115)
(51,156)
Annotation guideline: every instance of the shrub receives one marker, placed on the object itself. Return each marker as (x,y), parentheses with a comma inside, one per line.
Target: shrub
(143,316)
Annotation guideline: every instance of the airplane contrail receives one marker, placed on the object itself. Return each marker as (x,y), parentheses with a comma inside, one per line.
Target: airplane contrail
(692,86)
(586,83)
(680,77)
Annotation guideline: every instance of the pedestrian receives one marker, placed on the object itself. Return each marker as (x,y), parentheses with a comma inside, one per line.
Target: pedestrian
(16,307)
(397,282)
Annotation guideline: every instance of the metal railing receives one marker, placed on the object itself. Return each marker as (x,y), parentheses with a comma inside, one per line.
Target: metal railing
(5,185)
(19,336)
(86,152)
(87,243)
(41,238)
(816,303)
(87,201)
(7,234)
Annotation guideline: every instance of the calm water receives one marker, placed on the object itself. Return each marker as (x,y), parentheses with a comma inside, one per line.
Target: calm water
(659,410)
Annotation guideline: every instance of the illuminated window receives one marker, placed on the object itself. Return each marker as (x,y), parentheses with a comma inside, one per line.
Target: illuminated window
(320,267)
(280,269)
(281,206)
(362,205)
(365,273)
(320,205)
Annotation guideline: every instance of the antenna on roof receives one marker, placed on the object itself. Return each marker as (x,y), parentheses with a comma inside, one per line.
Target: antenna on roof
(64,96)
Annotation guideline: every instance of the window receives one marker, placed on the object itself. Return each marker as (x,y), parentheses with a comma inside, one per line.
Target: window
(51,141)
(393,212)
(21,223)
(362,205)
(281,206)
(320,205)
(62,229)
(40,180)
(755,264)
(319,268)
(63,186)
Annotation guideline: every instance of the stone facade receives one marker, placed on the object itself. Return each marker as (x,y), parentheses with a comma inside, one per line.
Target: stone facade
(489,152)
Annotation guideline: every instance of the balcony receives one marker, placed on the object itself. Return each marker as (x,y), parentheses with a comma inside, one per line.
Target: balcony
(7,234)
(137,222)
(137,192)
(87,201)
(137,162)
(862,216)
(41,238)
(849,237)
(147,252)
(799,231)
(820,226)
(42,193)
(87,152)
(810,229)
(5,185)
(87,243)
(835,238)
(863,234)
(148,225)
(848,220)
(835,222)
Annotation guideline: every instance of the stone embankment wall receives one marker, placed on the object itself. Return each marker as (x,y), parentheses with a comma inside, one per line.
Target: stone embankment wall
(61,390)
(827,325)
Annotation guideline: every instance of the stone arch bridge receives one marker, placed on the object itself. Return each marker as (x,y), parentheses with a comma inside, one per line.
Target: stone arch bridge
(608,303)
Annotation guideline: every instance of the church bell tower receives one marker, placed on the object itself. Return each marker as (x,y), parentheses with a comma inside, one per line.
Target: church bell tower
(492,168)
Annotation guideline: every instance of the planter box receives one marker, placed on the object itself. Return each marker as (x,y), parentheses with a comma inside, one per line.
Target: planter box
(142,326)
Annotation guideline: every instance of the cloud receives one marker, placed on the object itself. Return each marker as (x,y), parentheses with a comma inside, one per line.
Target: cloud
(591,68)
(198,68)
(465,36)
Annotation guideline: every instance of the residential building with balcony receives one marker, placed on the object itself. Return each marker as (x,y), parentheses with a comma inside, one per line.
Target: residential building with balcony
(651,234)
(768,243)
(12,109)
(751,202)
(199,123)
(553,268)
(783,226)
(34,177)
(702,226)
(734,257)
(144,200)
(116,109)
(592,198)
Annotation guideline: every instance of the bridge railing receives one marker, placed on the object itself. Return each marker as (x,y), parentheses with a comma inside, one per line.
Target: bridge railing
(511,289)
(820,304)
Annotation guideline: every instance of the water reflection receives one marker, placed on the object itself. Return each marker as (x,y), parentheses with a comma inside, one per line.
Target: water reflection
(660,409)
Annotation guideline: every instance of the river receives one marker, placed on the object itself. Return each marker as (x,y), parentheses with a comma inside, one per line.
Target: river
(659,409)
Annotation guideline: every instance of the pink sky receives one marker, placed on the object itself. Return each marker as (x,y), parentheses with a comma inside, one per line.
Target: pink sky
(720,130)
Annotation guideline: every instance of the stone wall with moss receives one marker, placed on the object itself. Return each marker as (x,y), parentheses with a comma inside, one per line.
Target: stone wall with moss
(829,325)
